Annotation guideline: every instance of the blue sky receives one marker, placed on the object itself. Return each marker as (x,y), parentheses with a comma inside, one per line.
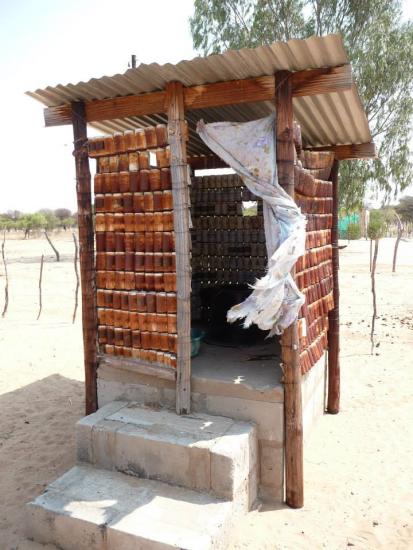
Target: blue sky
(45,42)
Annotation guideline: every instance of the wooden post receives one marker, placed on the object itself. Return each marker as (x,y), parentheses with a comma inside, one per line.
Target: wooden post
(293,416)
(180,194)
(333,400)
(86,253)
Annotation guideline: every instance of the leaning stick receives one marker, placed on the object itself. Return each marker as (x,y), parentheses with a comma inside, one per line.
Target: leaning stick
(77,277)
(399,236)
(52,245)
(40,287)
(373,290)
(6,287)
(371,252)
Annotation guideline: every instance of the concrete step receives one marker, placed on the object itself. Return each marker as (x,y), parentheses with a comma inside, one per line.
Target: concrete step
(198,451)
(91,509)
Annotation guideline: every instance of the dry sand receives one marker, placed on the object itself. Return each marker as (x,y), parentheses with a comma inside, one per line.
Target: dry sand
(358,464)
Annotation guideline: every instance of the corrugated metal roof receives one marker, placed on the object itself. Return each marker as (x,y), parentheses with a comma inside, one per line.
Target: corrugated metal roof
(327,119)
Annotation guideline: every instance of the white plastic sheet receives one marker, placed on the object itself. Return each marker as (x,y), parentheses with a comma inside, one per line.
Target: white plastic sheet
(249,148)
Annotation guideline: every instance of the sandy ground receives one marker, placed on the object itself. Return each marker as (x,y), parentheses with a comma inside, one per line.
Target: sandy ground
(358,473)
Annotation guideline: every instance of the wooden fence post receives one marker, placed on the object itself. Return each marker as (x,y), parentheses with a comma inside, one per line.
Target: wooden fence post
(333,400)
(293,416)
(180,194)
(86,253)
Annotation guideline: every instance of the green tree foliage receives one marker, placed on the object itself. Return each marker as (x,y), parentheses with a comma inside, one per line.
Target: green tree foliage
(405,209)
(68,222)
(353,231)
(51,220)
(30,222)
(377,225)
(380,48)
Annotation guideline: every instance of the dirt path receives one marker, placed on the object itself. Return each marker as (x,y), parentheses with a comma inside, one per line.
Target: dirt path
(357,464)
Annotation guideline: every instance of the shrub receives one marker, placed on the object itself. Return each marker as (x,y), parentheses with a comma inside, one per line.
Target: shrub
(377,225)
(353,231)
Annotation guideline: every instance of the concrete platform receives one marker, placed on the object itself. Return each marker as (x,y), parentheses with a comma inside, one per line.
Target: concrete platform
(241,383)
(200,451)
(246,372)
(91,509)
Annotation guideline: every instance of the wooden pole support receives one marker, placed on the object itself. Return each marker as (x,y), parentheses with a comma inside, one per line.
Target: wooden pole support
(293,417)
(180,194)
(333,400)
(86,253)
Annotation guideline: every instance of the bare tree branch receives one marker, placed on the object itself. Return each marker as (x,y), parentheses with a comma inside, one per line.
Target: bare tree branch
(51,244)
(40,287)
(6,287)
(240,18)
(399,236)
(373,290)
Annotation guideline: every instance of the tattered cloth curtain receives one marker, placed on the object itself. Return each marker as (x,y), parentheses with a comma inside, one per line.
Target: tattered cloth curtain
(249,148)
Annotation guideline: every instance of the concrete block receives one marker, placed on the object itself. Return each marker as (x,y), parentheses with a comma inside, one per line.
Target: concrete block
(271,495)
(103,438)
(84,447)
(150,456)
(253,486)
(268,417)
(50,527)
(198,451)
(233,459)
(313,397)
(271,463)
(271,484)
(84,426)
(110,390)
(313,381)
(90,509)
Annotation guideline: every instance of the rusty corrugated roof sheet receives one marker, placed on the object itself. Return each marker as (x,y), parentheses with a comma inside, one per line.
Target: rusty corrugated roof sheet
(327,119)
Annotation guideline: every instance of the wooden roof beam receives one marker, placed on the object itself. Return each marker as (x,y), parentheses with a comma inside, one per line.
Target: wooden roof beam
(351,151)
(262,88)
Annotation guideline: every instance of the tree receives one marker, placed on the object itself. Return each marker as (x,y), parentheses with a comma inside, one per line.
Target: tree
(375,231)
(353,231)
(30,222)
(405,209)
(380,48)
(62,213)
(68,222)
(6,223)
(51,219)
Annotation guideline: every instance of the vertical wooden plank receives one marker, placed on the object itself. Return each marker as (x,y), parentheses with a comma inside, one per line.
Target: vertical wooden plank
(86,253)
(180,194)
(289,341)
(333,400)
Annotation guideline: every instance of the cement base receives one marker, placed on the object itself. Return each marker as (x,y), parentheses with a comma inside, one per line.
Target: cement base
(242,384)
(226,382)
(206,453)
(90,509)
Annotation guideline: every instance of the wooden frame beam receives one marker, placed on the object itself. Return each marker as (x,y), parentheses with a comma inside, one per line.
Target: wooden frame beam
(180,195)
(290,345)
(134,365)
(86,253)
(333,334)
(263,88)
(322,81)
(351,151)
